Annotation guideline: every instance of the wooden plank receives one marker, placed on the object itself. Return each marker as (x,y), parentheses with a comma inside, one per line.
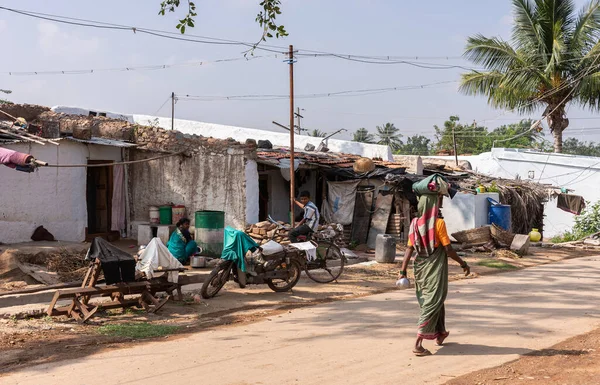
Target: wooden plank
(50,310)
(381,215)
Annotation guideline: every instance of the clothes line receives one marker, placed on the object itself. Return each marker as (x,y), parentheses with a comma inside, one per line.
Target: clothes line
(112,164)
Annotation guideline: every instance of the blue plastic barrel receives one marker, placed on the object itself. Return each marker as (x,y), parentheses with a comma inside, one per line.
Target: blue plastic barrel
(499,214)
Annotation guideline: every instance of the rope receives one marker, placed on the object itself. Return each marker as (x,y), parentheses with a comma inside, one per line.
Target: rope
(112,164)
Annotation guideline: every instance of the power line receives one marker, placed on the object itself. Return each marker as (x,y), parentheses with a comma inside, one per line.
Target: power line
(361,92)
(133,68)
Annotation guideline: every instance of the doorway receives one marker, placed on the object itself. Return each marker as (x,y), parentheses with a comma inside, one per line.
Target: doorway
(263,197)
(99,198)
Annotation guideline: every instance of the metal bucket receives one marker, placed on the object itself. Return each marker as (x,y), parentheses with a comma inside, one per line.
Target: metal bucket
(197,261)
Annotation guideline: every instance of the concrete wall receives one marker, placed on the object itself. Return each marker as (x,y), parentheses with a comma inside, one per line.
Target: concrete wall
(207,181)
(51,197)
(579,173)
(221,131)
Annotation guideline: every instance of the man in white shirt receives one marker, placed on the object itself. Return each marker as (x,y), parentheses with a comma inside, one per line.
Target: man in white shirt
(310,221)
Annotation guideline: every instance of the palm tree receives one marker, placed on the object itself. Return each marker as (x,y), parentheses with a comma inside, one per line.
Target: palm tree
(362,136)
(317,133)
(553,60)
(389,135)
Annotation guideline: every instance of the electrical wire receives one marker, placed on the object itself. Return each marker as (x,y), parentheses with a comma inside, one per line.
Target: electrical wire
(134,68)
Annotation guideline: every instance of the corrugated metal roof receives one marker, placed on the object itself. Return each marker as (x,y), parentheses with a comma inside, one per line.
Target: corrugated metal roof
(98,141)
(103,142)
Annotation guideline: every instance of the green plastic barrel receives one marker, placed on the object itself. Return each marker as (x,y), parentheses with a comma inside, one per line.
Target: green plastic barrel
(210,231)
(166,215)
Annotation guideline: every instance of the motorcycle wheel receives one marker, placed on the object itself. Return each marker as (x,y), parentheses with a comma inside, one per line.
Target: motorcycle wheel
(216,280)
(281,285)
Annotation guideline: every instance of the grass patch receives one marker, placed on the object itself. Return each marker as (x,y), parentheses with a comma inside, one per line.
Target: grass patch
(496,264)
(137,330)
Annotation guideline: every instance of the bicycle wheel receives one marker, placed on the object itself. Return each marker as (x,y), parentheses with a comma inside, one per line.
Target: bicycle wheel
(281,285)
(329,264)
(216,280)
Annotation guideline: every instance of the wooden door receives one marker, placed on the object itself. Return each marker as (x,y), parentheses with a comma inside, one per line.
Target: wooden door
(99,197)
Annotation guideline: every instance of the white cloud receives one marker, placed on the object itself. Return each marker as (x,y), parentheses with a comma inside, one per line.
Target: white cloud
(54,41)
(3,25)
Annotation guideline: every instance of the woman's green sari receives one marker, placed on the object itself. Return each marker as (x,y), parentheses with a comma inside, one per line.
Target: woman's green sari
(431,269)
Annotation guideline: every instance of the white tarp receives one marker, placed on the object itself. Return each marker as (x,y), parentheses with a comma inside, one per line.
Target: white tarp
(157,255)
(308,247)
(339,205)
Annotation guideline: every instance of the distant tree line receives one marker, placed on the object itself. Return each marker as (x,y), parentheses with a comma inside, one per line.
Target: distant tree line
(470,138)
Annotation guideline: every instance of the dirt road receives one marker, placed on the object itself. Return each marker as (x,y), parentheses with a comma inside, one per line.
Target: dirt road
(493,319)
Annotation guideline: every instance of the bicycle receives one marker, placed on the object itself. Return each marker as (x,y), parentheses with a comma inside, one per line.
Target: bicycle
(329,262)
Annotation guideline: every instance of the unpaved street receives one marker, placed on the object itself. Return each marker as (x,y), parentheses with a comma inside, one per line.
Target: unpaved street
(493,319)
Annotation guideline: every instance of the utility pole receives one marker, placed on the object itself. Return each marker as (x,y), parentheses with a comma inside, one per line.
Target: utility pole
(172,111)
(454,142)
(299,117)
(292,181)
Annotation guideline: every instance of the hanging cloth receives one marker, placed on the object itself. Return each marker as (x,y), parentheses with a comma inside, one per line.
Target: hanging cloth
(118,199)
(573,204)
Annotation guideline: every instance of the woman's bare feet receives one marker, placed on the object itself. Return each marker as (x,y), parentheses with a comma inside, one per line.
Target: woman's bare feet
(440,340)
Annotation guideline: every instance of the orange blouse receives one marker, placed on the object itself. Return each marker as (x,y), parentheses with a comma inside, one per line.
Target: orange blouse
(441,234)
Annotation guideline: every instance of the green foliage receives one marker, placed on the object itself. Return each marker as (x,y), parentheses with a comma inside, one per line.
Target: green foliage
(4,101)
(496,264)
(475,139)
(576,147)
(416,145)
(137,330)
(390,136)
(317,133)
(362,136)
(266,18)
(587,223)
(470,139)
(552,57)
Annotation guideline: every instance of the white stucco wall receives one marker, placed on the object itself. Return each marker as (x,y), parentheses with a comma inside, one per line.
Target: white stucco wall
(207,181)
(578,173)
(252,192)
(51,197)
(240,134)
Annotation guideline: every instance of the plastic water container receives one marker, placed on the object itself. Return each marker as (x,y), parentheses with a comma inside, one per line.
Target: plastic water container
(166,215)
(385,248)
(499,214)
(154,215)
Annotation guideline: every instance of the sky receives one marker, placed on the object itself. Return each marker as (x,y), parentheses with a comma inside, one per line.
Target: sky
(435,28)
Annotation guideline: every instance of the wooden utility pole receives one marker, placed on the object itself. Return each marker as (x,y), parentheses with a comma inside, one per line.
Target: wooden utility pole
(172,111)
(299,117)
(454,142)
(292,174)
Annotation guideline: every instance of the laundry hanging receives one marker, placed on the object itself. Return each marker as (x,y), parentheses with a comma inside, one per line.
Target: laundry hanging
(16,160)
(573,204)
(118,199)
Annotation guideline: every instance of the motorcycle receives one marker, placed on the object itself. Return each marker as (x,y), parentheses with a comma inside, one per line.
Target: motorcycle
(280,271)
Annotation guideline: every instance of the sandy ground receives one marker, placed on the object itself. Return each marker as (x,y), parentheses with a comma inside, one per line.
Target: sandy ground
(493,320)
(575,361)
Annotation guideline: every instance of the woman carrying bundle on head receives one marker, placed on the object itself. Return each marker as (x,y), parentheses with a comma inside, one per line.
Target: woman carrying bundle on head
(181,244)
(428,236)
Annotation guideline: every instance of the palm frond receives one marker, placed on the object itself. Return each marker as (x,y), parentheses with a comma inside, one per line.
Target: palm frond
(555,19)
(589,91)
(492,53)
(526,32)
(587,30)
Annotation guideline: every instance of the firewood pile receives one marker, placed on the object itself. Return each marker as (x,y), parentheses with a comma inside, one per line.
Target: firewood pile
(263,232)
